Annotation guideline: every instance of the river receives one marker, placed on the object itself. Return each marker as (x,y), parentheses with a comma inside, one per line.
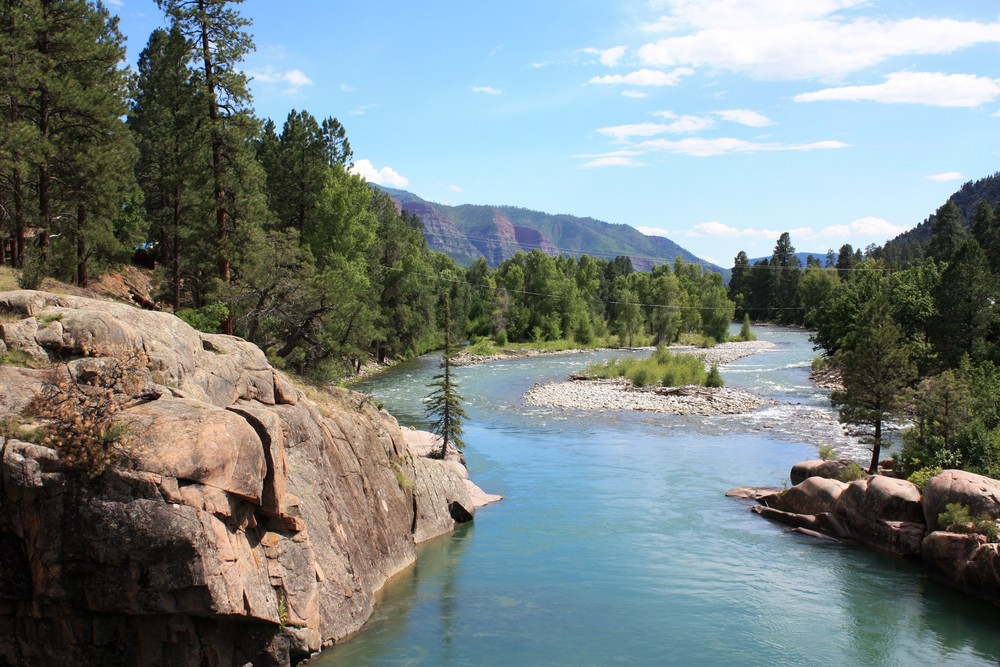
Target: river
(615,544)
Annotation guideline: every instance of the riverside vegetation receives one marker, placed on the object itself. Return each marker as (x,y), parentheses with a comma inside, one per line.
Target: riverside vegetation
(258,227)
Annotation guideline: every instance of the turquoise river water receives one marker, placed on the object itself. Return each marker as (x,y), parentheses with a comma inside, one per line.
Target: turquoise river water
(615,544)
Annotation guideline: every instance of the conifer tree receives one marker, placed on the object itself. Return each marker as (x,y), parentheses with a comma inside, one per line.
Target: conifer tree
(173,166)
(444,404)
(877,369)
(218,40)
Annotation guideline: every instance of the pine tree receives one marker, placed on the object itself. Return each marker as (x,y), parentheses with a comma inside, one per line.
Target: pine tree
(877,370)
(173,166)
(297,171)
(218,40)
(965,305)
(444,404)
(62,139)
(947,233)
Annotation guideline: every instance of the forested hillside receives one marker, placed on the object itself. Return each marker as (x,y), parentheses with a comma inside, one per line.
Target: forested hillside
(911,245)
(497,232)
(919,340)
(258,228)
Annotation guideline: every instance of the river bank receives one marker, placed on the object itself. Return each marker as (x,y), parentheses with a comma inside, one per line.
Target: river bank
(621,394)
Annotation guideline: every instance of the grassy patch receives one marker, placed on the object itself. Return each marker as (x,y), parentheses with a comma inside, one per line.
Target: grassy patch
(20,358)
(698,340)
(662,368)
(8,279)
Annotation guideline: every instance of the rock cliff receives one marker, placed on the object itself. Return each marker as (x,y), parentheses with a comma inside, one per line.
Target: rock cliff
(255,525)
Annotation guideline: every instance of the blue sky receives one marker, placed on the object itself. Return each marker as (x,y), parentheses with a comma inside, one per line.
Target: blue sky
(718,123)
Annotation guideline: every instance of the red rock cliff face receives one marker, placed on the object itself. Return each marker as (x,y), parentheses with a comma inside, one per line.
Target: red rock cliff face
(256,527)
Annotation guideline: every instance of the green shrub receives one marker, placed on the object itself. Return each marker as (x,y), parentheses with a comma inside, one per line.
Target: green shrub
(924,475)
(501,338)
(714,379)
(958,519)
(746,334)
(482,348)
(818,364)
(827,452)
(33,271)
(852,473)
(662,367)
(208,318)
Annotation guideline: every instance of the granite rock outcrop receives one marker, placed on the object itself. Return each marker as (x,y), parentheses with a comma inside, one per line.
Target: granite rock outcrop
(255,525)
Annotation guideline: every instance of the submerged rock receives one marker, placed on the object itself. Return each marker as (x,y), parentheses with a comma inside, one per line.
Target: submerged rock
(256,527)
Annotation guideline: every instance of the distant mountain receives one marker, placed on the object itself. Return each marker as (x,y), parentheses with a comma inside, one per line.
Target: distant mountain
(498,232)
(910,245)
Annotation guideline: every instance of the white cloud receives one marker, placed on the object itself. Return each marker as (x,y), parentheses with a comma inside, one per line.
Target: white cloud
(684,124)
(346,88)
(644,77)
(930,88)
(700,147)
(622,133)
(797,39)
(295,78)
(487,90)
(714,228)
(384,176)
(115,3)
(609,57)
(456,188)
(744,117)
(867,228)
(945,177)
(613,161)
(638,94)
(362,110)
(653,231)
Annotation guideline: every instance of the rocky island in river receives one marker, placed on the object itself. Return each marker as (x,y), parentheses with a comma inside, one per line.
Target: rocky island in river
(584,394)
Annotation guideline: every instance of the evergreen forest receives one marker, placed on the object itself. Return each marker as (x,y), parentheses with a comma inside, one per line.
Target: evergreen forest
(916,340)
(261,229)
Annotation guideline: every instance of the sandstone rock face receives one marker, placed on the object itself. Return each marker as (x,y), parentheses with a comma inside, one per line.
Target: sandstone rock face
(980,494)
(256,527)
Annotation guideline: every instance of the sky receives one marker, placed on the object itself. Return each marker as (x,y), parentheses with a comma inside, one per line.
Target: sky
(717,123)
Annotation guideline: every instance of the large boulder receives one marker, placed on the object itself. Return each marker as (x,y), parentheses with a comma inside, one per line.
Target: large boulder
(884,513)
(257,525)
(818,468)
(966,562)
(980,494)
(814,495)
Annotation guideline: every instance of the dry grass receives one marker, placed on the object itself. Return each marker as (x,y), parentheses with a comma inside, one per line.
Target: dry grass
(8,279)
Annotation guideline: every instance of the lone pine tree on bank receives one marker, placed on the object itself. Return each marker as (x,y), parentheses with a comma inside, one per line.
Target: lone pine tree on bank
(444,404)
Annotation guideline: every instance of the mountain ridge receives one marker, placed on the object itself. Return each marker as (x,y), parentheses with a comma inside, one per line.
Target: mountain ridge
(496,232)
